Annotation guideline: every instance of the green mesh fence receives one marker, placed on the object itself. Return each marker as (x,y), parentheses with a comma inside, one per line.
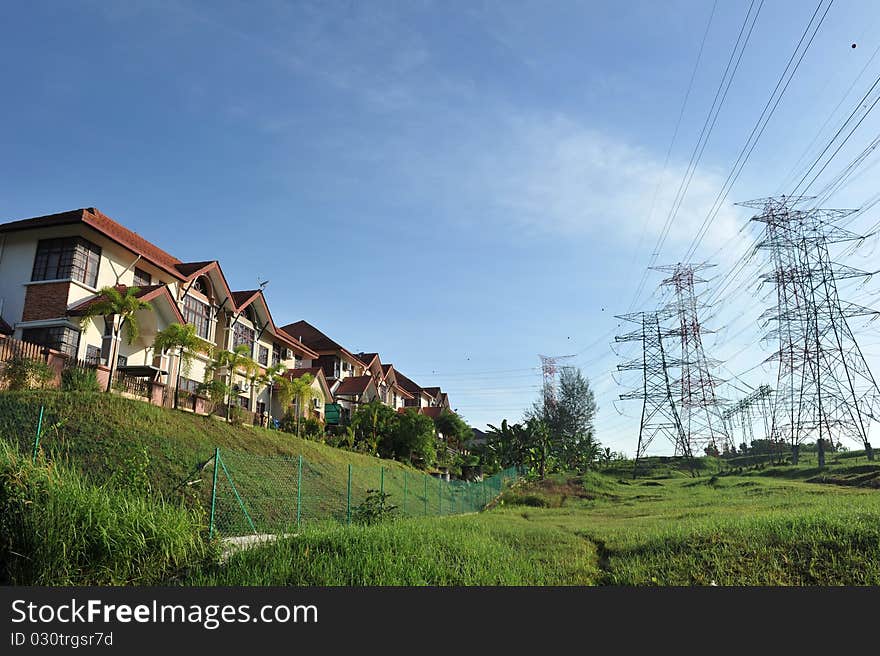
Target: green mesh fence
(276,494)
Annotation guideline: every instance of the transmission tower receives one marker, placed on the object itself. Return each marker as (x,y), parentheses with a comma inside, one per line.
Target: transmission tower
(659,413)
(825,388)
(743,413)
(699,405)
(549,370)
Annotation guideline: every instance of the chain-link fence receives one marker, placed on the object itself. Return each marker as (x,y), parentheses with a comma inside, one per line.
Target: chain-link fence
(276,494)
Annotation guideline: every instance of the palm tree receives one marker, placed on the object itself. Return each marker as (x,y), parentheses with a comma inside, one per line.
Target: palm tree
(238,357)
(269,378)
(119,306)
(303,393)
(184,339)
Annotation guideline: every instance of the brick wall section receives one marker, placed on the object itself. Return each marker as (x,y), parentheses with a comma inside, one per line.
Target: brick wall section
(48,301)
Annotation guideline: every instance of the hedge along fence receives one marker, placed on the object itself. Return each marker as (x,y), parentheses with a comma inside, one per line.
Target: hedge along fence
(275,494)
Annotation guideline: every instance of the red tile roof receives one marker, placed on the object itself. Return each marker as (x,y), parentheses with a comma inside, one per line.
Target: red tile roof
(147,294)
(406,383)
(354,385)
(245,298)
(95,219)
(366,358)
(5,328)
(293,374)
(311,337)
(189,269)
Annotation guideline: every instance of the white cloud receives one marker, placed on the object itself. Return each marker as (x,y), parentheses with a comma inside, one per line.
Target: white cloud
(554,175)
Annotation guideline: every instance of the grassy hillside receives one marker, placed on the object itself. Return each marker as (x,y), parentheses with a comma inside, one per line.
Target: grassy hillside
(114,439)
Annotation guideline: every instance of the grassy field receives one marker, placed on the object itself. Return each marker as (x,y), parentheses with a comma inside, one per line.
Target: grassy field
(765,527)
(116,517)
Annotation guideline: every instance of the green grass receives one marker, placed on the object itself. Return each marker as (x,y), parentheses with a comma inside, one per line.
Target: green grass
(730,530)
(487,549)
(58,529)
(740,522)
(130,444)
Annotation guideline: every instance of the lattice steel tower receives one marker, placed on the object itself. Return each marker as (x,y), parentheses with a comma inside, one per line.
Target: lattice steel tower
(825,388)
(699,406)
(659,412)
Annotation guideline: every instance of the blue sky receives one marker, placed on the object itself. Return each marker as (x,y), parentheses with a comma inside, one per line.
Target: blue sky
(456,185)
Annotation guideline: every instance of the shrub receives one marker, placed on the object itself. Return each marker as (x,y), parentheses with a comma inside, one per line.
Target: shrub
(80,379)
(374,509)
(58,529)
(312,428)
(238,415)
(21,373)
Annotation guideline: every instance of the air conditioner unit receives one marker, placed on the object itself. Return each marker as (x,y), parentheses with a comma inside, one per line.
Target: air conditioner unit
(288,354)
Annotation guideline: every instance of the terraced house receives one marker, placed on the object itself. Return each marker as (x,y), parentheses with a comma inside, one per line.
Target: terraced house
(53,267)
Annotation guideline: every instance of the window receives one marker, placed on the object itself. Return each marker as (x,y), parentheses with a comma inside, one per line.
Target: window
(121,360)
(198,314)
(60,338)
(93,354)
(142,278)
(62,259)
(261,408)
(263,355)
(244,402)
(277,352)
(188,385)
(243,335)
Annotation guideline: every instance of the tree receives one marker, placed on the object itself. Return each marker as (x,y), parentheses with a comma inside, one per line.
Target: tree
(303,393)
(231,361)
(527,444)
(413,436)
(569,418)
(119,309)
(454,428)
(269,378)
(184,340)
(374,424)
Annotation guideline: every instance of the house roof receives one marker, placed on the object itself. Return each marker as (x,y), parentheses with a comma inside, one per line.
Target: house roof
(293,374)
(405,383)
(103,224)
(310,336)
(146,294)
(242,299)
(354,385)
(5,328)
(366,358)
(386,368)
(404,393)
(305,333)
(190,269)
(318,373)
(433,391)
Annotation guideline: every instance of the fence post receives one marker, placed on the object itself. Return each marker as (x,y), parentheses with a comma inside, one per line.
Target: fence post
(37,436)
(426,495)
(439,495)
(382,480)
(299,491)
(404,492)
(348,509)
(214,491)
